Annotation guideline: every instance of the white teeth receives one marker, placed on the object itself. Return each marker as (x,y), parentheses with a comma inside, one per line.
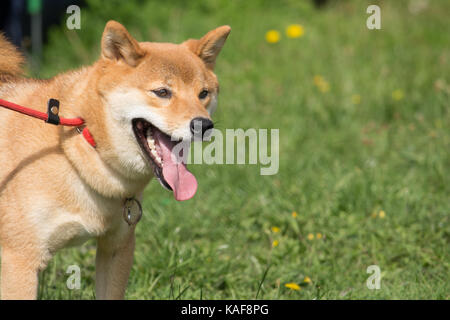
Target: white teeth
(152,145)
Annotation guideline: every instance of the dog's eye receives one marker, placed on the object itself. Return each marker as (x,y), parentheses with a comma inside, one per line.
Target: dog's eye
(203,94)
(163,93)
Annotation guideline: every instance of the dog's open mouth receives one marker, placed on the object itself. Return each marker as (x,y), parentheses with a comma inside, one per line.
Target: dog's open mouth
(170,172)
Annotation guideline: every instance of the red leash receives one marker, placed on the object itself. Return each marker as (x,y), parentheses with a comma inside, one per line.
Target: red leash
(51,117)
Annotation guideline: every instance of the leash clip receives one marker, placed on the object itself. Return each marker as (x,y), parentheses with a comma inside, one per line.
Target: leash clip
(127,211)
(52,112)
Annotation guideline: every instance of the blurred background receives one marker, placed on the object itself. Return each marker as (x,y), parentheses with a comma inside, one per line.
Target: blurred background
(364,149)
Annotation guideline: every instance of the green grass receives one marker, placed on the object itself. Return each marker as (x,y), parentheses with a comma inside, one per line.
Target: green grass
(339,162)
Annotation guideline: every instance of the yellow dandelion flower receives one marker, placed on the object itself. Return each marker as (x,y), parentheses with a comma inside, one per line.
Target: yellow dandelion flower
(310,236)
(292,286)
(382,214)
(321,83)
(275,243)
(356,99)
(294,214)
(374,214)
(272,36)
(318,80)
(319,235)
(295,31)
(307,279)
(275,229)
(398,95)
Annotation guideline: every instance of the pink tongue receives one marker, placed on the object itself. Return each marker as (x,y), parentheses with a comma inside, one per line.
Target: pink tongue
(182,182)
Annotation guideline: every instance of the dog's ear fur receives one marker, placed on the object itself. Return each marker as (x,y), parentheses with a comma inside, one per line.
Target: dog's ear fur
(209,46)
(118,44)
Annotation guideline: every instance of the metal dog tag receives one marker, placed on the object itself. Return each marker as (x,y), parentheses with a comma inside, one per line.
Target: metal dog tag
(132,211)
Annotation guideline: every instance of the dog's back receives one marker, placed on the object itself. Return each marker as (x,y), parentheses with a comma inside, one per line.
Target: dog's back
(11,60)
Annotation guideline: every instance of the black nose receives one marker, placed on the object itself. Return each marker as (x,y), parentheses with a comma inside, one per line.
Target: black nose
(199,126)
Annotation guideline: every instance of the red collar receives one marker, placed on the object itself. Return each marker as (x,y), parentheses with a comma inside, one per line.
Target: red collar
(52,117)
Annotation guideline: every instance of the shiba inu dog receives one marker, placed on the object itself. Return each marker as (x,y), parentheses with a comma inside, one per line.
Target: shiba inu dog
(138,101)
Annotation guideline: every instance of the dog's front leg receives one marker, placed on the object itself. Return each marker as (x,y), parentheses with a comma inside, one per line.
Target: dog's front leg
(113,263)
(19,275)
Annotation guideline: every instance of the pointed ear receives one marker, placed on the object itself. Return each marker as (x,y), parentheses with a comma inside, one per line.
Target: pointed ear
(209,46)
(118,44)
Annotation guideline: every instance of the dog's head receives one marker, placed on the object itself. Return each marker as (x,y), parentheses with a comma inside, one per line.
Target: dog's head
(155,95)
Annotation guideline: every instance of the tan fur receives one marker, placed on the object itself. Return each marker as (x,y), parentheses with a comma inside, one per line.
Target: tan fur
(11,60)
(56,190)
